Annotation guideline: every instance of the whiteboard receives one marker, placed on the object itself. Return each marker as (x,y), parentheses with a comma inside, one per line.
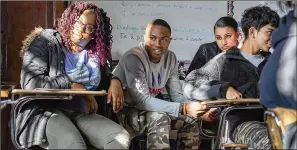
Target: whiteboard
(240,6)
(191,23)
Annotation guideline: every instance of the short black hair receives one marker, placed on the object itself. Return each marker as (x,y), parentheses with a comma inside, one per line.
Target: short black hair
(161,22)
(226,22)
(258,17)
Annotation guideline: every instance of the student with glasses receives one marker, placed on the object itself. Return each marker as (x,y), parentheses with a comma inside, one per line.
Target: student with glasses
(75,56)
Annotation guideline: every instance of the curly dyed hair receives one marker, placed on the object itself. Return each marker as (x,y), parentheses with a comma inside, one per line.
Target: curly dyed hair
(101,45)
(258,17)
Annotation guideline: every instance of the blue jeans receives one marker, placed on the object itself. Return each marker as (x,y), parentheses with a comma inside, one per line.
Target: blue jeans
(69,130)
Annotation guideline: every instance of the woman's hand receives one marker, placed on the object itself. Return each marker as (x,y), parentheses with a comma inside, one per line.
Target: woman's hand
(232,93)
(90,101)
(78,86)
(115,95)
(195,109)
(91,104)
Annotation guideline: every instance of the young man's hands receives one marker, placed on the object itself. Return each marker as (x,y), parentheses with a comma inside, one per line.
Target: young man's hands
(115,95)
(195,109)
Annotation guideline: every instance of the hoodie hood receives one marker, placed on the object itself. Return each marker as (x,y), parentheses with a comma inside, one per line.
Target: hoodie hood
(49,34)
(286,29)
(141,45)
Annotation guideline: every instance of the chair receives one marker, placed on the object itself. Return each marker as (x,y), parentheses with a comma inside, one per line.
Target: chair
(40,94)
(274,129)
(6,88)
(276,120)
(221,138)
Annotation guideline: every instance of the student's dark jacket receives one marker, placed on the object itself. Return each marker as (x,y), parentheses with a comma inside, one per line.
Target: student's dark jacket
(205,53)
(226,69)
(43,67)
(278,83)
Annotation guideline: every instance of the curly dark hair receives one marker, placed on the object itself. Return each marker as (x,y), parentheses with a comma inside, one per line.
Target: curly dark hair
(101,45)
(258,17)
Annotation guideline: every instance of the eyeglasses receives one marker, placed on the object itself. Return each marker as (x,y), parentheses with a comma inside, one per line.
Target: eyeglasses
(87,28)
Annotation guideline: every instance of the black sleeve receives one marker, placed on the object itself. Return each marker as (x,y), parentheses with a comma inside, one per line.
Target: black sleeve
(199,59)
(35,68)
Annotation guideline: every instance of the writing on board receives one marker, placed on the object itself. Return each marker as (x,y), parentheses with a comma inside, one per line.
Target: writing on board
(158,5)
(125,13)
(127,27)
(191,23)
(139,38)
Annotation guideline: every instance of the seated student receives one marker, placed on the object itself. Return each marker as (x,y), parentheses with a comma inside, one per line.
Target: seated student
(235,73)
(278,79)
(226,35)
(73,57)
(145,71)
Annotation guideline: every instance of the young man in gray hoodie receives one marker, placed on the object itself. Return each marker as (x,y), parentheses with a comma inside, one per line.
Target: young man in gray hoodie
(145,71)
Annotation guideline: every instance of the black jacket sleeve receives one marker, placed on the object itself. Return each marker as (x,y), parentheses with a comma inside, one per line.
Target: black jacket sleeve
(36,66)
(199,59)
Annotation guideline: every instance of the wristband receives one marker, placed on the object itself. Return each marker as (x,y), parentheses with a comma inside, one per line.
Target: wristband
(181,107)
(115,77)
(184,109)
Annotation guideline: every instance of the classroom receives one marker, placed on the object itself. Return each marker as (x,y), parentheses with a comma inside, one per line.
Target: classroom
(148,75)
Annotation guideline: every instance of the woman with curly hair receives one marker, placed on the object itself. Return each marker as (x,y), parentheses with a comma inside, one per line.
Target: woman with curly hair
(75,56)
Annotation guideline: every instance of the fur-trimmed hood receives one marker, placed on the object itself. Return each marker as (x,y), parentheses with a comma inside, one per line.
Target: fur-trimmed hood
(48,34)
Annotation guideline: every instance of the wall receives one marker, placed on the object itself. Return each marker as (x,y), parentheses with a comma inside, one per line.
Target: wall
(191,23)
(17,21)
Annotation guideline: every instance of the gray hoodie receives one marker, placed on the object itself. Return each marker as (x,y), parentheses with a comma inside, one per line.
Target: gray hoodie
(143,80)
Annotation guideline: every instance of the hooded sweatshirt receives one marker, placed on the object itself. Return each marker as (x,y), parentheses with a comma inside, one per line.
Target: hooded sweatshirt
(143,80)
(278,81)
